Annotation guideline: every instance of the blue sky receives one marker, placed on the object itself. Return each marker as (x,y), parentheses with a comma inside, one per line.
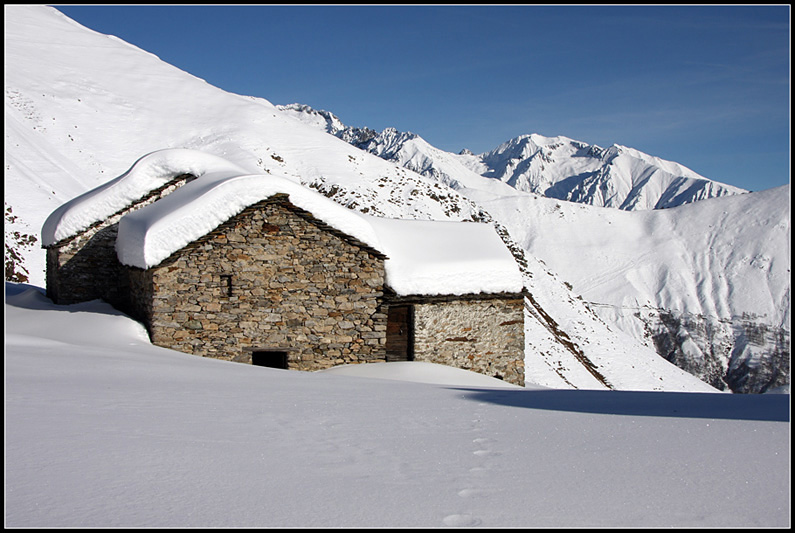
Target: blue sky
(707,87)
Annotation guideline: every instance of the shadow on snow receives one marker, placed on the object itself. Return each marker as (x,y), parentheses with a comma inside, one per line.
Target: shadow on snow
(761,407)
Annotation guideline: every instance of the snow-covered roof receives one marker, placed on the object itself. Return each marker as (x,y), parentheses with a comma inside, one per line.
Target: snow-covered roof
(423,257)
(445,257)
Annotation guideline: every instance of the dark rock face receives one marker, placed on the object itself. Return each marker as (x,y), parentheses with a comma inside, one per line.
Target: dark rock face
(760,359)
(741,354)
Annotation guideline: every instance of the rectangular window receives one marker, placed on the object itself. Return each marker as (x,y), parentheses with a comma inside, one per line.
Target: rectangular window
(226,284)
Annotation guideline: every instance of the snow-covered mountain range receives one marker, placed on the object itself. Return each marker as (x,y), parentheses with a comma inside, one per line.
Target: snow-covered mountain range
(555,167)
(705,284)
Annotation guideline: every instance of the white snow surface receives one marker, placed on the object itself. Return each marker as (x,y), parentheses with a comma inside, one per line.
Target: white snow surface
(105,430)
(147,174)
(423,257)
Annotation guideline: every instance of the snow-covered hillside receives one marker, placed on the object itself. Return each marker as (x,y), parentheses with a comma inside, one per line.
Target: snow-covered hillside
(82,107)
(708,283)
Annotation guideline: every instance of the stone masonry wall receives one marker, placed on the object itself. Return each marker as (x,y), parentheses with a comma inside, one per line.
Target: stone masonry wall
(272,278)
(85,266)
(482,335)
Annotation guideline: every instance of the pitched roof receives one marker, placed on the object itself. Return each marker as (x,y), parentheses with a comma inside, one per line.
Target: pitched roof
(423,257)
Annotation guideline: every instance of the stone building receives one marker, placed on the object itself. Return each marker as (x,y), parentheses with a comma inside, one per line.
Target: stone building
(258,269)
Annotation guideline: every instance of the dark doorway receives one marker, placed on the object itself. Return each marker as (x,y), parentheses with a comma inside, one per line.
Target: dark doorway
(270,359)
(400,333)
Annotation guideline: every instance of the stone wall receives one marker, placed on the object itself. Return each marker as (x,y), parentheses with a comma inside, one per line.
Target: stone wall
(85,267)
(485,335)
(272,278)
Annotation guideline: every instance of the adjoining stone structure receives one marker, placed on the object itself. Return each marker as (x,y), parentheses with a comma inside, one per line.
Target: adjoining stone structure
(482,333)
(84,266)
(277,285)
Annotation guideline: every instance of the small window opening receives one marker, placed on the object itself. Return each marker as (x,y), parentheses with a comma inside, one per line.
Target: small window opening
(270,359)
(226,284)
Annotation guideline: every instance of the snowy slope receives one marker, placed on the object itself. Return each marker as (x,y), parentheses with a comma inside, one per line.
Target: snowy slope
(407,149)
(105,430)
(83,107)
(723,257)
(707,283)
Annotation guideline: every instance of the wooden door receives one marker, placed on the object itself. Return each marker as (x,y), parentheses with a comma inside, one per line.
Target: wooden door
(400,333)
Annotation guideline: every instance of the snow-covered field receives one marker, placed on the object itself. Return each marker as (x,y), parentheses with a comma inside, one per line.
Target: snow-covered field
(105,430)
